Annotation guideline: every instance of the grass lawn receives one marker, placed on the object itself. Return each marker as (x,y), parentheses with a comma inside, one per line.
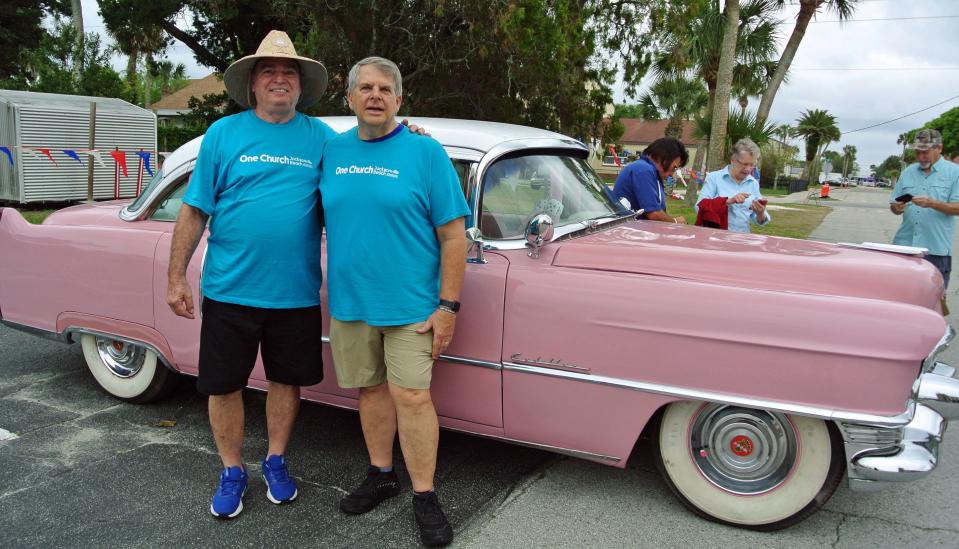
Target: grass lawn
(798,221)
(35,216)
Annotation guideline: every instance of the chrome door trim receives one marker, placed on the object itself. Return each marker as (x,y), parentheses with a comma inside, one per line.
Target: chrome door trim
(454,359)
(709,396)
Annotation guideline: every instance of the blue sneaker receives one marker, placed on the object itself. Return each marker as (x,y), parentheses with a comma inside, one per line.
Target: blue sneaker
(228,499)
(280,488)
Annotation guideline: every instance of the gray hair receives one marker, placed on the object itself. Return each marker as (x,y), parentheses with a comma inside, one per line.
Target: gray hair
(745,145)
(383,65)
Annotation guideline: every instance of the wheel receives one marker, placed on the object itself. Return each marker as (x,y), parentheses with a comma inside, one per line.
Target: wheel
(125,370)
(749,468)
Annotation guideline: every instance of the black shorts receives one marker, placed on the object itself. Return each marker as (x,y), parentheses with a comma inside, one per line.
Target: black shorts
(230,335)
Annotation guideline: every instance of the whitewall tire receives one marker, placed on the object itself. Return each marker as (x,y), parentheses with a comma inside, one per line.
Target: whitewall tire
(127,371)
(750,468)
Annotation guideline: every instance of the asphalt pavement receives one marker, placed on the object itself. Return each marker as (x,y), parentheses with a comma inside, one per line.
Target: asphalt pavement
(81,469)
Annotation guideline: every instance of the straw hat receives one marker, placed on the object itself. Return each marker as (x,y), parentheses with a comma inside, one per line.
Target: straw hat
(276,44)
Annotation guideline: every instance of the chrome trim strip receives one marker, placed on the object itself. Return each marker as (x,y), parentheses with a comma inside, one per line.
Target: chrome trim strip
(709,396)
(453,359)
(471,362)
(561,233)
(930,361)
(70,330)
(913,457)
(555,449)
(45,334)
(170,176)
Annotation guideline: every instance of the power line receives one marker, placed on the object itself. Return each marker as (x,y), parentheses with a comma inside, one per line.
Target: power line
(874,68)
(886,19)
(903,116)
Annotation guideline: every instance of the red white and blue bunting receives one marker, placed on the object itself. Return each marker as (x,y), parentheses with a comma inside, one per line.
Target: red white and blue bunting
(119,159)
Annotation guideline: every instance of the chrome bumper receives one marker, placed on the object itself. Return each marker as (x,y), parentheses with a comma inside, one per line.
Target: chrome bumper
(876,456)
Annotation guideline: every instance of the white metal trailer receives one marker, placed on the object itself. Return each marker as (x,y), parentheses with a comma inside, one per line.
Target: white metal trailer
(31,120)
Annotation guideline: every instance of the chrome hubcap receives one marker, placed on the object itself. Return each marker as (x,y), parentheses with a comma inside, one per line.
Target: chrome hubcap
(121,359)
(743,451)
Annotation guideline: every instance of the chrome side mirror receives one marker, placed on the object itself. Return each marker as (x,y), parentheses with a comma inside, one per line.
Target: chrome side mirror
(475,238)
(539,231)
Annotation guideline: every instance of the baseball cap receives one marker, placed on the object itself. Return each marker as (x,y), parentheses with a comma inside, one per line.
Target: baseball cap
(926,139)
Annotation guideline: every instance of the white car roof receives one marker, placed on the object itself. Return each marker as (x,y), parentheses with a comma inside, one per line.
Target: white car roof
(477,135)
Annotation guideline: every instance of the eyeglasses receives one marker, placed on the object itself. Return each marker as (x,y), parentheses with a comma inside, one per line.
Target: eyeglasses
(744,164)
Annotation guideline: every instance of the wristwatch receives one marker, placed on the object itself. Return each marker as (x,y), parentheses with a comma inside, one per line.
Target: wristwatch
(448,306)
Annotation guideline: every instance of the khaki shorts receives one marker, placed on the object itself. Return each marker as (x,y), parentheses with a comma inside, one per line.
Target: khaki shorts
(364,355)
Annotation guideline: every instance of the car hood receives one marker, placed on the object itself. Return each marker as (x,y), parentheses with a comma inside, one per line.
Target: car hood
(754,261)
(96,213)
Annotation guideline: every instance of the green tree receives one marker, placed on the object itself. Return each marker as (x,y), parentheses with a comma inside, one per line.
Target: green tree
(891,167)
(525,61)
(948,125)
(817,128)
(849,160)
(694,44)
(622,110)
(724,82)
(675,98)
(774,157)
(56,62)
(21,34)
(807,10)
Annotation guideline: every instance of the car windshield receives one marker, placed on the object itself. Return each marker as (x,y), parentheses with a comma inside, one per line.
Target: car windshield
(157,178)
(519,187)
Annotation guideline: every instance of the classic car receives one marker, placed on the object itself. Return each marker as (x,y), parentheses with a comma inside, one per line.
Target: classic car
(581,328)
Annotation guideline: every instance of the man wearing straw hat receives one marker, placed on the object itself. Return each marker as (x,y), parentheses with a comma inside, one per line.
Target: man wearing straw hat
(256,180)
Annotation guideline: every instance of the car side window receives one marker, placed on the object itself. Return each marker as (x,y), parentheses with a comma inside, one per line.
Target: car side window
(169,207)
(462,168)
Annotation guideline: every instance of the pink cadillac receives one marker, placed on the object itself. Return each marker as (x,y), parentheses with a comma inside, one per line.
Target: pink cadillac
(580,329)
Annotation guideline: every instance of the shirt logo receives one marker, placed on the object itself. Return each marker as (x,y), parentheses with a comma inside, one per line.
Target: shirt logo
(285,160)
(367,170)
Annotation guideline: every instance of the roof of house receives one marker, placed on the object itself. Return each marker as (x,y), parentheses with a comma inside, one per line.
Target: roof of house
(179,100)
(637,130)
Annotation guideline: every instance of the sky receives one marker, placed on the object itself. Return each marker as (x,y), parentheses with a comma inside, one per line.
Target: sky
(893,58)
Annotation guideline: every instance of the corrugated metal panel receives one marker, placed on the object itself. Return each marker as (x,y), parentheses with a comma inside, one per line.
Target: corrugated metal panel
(61,122)
(9,182)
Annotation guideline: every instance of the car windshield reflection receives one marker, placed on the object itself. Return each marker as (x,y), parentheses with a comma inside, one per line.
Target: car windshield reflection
(517,188)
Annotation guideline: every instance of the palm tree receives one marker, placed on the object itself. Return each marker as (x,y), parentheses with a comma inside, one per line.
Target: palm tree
(76,13)
(677,98)
(697,47)
(724,84)
(135,42)
(782,131)
(818,128)
(848,159)
(807,10)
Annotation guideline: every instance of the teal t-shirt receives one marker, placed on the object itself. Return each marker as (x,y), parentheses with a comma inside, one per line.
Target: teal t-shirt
(383,201)
(258,183)
(926,227)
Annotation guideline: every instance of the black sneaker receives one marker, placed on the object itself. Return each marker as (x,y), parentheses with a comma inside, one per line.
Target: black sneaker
(435,530)
(377,487)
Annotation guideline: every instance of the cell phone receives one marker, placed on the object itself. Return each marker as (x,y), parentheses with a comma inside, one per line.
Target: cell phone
(904,198)
(762,201)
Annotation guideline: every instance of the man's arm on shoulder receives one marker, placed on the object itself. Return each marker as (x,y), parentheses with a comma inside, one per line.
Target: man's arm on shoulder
(452,240)
(186,235)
